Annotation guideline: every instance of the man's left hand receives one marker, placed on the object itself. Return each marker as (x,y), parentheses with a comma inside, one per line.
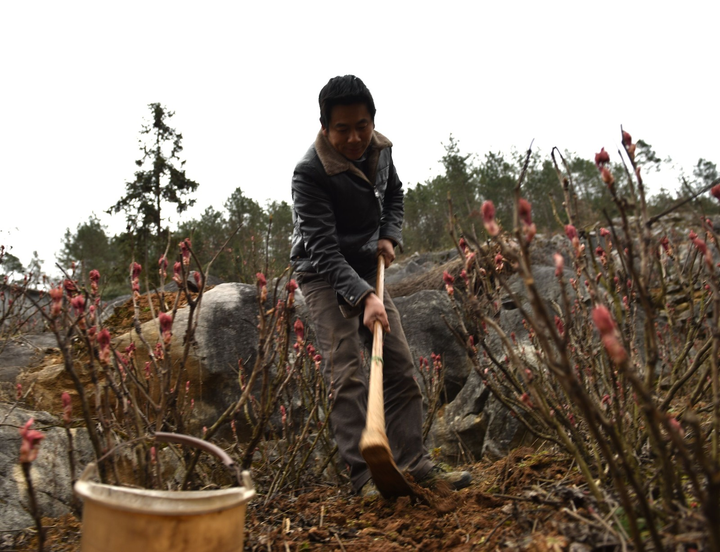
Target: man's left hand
(386,248)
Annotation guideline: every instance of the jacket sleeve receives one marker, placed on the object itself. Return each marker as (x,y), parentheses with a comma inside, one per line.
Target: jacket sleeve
(393,209)
(315,219)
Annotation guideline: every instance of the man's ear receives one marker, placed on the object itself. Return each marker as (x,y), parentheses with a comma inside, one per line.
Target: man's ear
(324,130)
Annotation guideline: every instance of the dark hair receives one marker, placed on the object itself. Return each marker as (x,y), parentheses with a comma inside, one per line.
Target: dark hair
(344,90)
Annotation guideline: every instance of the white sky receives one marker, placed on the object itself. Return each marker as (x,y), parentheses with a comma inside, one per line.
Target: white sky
(243,79)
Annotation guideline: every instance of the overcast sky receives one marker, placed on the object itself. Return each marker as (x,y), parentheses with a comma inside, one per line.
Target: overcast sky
(243,80)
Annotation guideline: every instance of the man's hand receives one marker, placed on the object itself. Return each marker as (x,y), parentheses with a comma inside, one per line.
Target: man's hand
(375,311)
(387,250)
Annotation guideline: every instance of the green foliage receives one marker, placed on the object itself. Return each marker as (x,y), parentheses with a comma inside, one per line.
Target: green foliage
(10,265)
(161,180)
(261,244)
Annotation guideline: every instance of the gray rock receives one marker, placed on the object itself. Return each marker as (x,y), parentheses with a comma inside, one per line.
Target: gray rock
(50,471)
(424,316)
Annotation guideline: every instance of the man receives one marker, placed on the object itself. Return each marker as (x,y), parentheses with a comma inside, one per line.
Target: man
(347,210)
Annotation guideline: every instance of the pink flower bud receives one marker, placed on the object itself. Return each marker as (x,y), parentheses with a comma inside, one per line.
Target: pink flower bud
(56,296)
(299,328)
(626,138)
(166,322)
(607,176)
(692,235)
(136,270)
(185,246)
(559,264)
(162,264)
(103,339)
(30,442)
(70,288)
(715,191)
(18,391)
(488,214)
(291,286)
(571,232)
(614,348)
(525,211)
(604,232)
(78,304)
(67,407)
(603,320)
(601,158)
(261,280)
(449,280)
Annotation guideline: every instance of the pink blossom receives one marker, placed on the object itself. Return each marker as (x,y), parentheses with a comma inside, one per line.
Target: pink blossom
(606,326)
(626,138)
(525,211)
(449,280)
(30,442)
(56,296)
(614,348)
(604,232)
(603,320)
(488,214)
(703,249)
(559,264)
(78,304)
(571,232)
(136,270)
(291,286)
(601,158)
(499,262)
(198,278)
(299,328)
(185,246)
(103,339)
(162,266)
(177,273)
(715,191)
(18,391)
(692,235)
(70,287)
(607,176)
(166,322)
(67,407)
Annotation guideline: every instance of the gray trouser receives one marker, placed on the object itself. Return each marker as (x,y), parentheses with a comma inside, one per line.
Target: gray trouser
(340,341)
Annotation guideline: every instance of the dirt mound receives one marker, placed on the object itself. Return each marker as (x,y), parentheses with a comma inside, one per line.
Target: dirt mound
(527,501)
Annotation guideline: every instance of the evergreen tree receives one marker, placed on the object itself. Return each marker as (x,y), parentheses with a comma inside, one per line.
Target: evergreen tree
(160,180)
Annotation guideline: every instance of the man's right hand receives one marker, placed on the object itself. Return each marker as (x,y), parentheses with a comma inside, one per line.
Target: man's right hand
(375,311)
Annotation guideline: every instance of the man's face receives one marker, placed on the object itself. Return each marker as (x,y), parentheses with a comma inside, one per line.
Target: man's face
(350,129)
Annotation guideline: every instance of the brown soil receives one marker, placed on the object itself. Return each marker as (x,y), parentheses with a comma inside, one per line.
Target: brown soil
(528,501)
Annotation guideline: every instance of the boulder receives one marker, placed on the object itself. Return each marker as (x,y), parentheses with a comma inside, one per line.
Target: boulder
(50,472)
(425,317)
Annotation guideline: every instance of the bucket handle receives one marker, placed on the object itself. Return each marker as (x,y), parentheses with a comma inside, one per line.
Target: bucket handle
(243,477)
(209,447)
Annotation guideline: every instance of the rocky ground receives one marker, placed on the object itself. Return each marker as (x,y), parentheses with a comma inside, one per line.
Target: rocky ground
(529,501)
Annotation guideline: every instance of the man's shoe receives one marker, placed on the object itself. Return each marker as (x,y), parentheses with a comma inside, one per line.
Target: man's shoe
(454,479)
(369,490)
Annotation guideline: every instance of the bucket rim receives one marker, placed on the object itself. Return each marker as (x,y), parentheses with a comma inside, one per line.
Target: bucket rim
(157,502)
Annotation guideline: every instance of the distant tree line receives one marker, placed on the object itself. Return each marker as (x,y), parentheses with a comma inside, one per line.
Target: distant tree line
(467,182)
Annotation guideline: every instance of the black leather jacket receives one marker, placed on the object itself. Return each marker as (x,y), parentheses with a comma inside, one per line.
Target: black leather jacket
(339,216)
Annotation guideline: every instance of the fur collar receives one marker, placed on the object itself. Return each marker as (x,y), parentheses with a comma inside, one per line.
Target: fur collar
(336,163)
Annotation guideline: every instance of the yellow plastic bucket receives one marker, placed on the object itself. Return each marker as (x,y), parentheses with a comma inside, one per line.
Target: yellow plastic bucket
(122,519)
